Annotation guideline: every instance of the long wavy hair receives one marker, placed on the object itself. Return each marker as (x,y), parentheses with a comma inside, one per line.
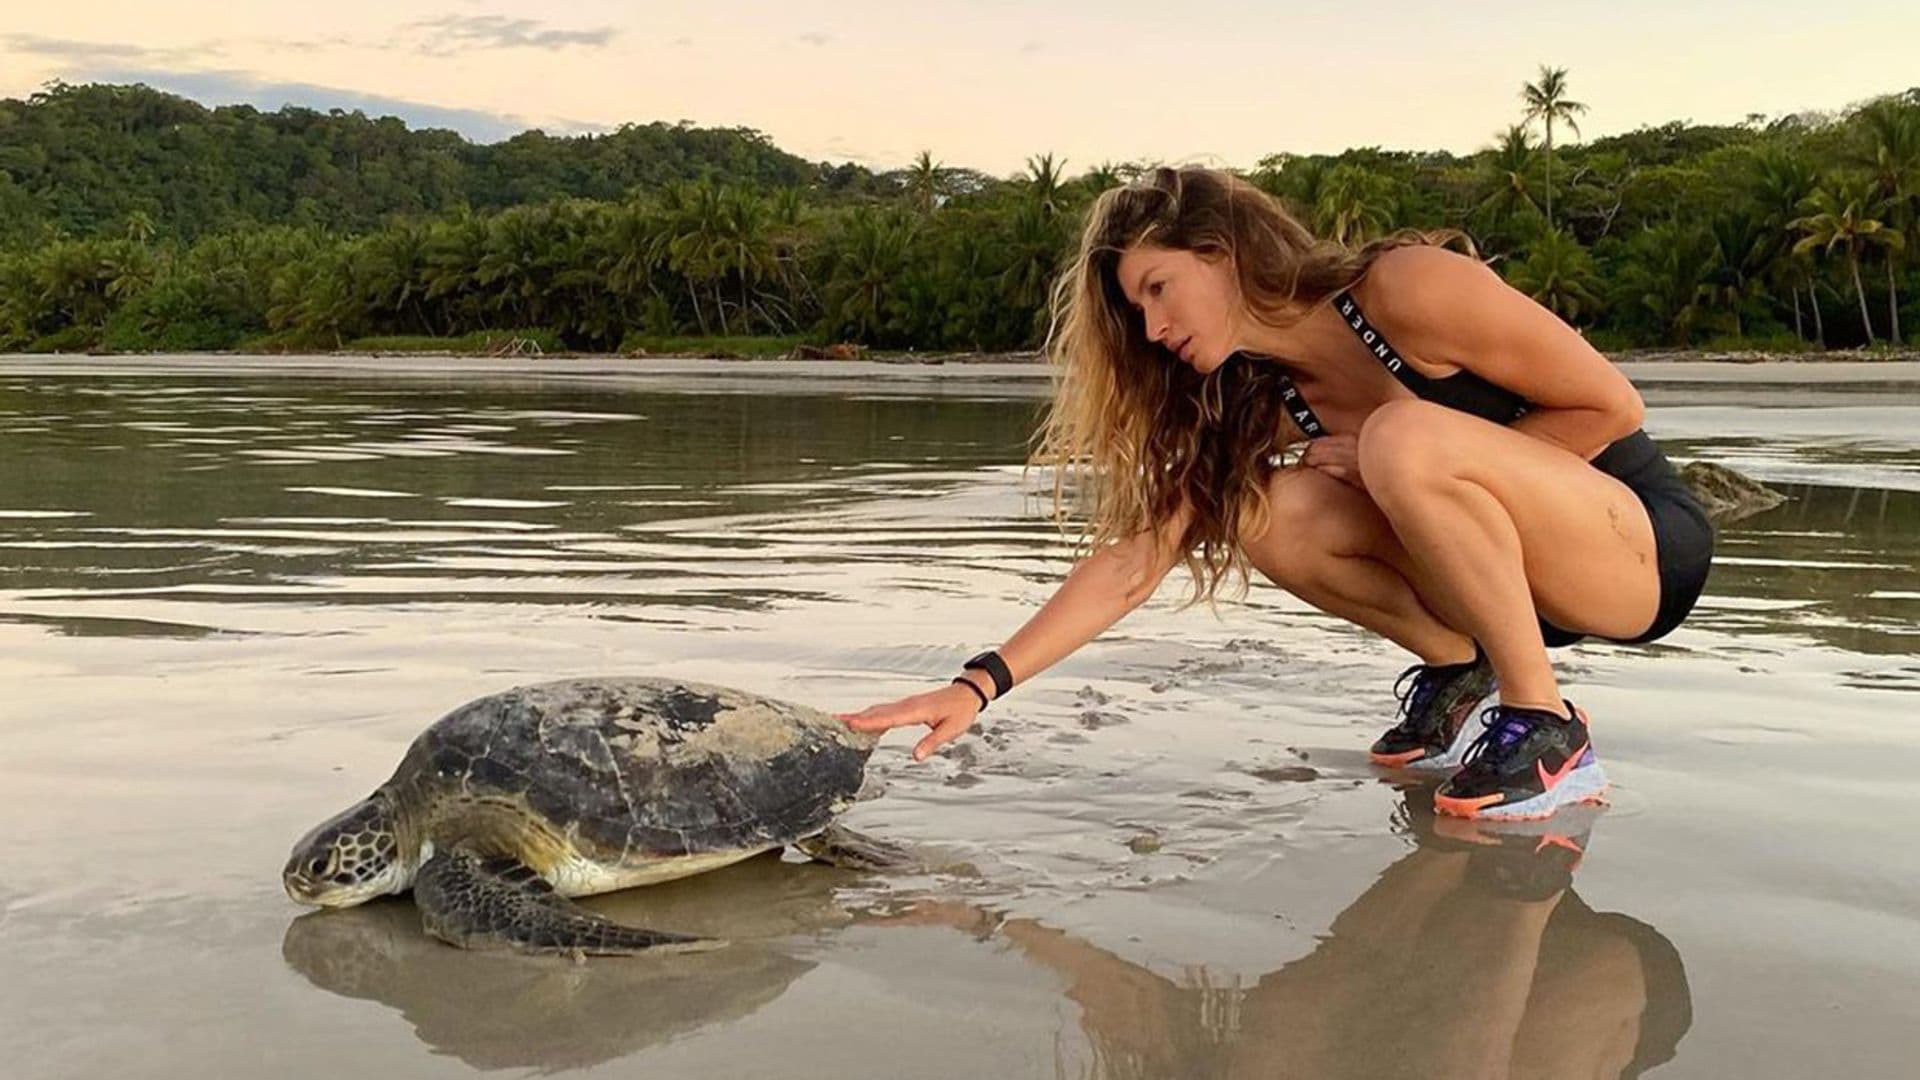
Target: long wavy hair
(1134,431)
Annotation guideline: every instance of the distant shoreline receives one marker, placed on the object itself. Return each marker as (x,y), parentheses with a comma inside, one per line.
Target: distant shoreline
(1627,357)
(999,375)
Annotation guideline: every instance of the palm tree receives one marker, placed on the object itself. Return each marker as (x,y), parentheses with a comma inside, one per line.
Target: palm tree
(396,269)
(1043,179)
(74,278)
(630,248)
(513,262)
(1356,204)
(1740,261)
(1101,177)
(1504,189)
(1843,220)
(1295,179)
(454,249)
(319,298)
(1892,158)
(926,182)
(748,254)
(1779,184)
(1547,101)
(139,227)
(697,249)
(1037,241)
(128,268)
(865,272)
(1559,274)
(789,206)
(1665,277)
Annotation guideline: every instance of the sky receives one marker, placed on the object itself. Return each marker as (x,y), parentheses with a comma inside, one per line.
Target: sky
(986,85)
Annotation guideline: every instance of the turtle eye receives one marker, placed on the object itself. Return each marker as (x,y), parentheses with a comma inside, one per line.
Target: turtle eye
(317,867)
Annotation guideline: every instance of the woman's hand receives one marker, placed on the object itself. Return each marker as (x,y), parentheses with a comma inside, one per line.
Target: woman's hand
(949,711)
(1336,455)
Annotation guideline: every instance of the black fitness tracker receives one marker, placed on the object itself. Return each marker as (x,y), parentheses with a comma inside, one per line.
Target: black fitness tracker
(996,670)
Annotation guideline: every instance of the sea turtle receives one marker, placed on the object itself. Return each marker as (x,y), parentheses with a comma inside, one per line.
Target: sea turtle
(509,804)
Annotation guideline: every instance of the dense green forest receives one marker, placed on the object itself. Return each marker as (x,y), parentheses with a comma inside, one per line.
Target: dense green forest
(132,219)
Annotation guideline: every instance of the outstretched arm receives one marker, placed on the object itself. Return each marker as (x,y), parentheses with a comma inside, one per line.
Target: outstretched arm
(1099,591)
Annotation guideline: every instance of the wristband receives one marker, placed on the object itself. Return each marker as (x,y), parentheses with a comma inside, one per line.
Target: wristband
(996,670)
(977,692)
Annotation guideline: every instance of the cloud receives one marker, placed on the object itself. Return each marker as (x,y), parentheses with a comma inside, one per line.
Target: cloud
(331,41)
(242,88)
(74,49)
(463,33)
(815,39)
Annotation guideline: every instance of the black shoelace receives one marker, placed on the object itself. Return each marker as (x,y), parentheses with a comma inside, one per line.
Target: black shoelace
(1414,699)
(1504,727)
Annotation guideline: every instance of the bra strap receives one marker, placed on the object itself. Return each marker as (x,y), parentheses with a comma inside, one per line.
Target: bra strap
(1297,407)
(1376,342)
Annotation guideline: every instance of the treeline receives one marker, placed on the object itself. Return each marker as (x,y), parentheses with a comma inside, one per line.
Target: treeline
(132,219)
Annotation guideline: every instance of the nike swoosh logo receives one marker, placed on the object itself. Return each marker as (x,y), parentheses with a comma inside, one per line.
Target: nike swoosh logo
(1552,779)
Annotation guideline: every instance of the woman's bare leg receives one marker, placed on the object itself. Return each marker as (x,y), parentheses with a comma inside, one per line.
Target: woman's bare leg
(1328,544)
(1503,526)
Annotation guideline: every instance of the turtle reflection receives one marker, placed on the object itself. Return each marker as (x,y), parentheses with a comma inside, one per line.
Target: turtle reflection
(502,1010)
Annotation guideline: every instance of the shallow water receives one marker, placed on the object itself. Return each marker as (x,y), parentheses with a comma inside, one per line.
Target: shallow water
(227,604)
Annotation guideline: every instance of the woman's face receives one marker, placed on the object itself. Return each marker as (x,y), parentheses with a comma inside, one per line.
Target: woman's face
(1189,303)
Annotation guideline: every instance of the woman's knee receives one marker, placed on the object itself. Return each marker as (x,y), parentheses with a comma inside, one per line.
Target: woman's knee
(1403,445)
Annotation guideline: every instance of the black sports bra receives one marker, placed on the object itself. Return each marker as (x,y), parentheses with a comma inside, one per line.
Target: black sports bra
(1634,459)
(1463,390)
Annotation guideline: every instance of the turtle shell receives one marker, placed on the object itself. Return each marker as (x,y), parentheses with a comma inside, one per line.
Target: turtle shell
(626,770)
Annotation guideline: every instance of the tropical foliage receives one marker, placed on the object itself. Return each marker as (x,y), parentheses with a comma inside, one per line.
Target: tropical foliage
(131,219)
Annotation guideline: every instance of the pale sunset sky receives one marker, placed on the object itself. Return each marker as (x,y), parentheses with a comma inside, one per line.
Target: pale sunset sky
(984,85)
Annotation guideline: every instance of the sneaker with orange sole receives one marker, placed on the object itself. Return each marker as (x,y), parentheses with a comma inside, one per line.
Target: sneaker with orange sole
(1432,733)
(1525,764)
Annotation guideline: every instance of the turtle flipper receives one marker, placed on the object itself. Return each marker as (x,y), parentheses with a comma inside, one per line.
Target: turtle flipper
(849,850)
(501,903)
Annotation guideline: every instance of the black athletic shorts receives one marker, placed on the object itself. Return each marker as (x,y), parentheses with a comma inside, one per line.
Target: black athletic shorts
(1682,537)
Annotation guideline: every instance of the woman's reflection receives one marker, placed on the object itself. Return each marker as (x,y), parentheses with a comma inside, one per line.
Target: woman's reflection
(1471,956)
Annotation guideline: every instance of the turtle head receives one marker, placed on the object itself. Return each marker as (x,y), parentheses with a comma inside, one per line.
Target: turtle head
(350,858)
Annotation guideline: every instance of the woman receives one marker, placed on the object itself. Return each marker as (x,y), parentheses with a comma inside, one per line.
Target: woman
(1475,484)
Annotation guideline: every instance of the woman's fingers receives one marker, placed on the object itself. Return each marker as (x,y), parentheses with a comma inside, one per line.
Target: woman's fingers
(882,717)
(939,710)
(943,733)
(917,709)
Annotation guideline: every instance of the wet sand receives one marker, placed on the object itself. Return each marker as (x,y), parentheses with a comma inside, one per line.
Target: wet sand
(230,600)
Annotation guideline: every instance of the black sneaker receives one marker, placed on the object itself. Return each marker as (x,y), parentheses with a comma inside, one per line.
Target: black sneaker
(1527,763)
(1431,735)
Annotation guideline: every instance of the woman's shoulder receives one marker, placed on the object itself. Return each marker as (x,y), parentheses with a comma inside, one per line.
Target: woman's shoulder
(1404,274)
(1408,287)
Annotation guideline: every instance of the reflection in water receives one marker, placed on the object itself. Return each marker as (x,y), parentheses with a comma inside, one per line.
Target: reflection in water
(496,1010)
(1471,956)
(236,492)
(238,591)
(1838,564)
(242,494)
(506,1011)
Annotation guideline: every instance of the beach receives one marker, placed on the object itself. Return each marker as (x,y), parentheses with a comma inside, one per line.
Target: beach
(235,588)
